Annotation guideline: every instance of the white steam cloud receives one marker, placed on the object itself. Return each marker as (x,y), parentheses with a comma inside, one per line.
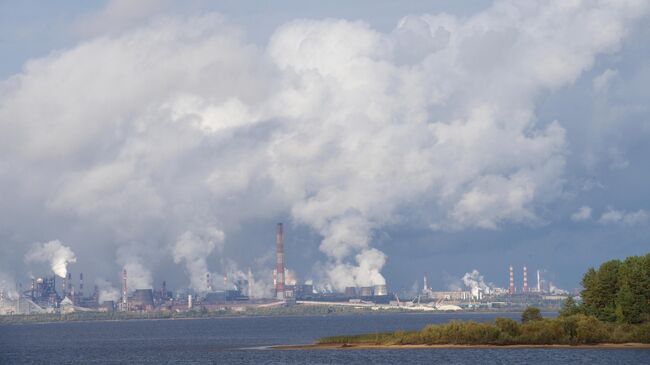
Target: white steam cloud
(475,282)
(54,253)
(347,128)
(193,249)
(106,291)
(138,276)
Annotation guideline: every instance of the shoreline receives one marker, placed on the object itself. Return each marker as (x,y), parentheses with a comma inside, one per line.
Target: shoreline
(31,321)
(613,346)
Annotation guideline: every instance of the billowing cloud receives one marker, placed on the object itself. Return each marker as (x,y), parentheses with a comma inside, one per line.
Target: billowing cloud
(193,248)
(347,129)
(582,214)
(107,292)
(53,252)
(602,81)
(613,216)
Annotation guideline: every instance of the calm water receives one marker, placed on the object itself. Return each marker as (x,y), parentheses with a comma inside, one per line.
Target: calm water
(242,341)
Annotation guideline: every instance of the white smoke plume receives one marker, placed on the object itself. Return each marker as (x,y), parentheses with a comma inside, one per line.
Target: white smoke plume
(290,277)
(475,282)
(54,253)
(138,276)
(193,248)
(8,286)
(107,291)
(262,285)
(347,128)
(555,290)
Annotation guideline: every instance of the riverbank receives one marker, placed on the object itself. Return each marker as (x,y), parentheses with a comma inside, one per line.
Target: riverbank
(357,346)
(574,330)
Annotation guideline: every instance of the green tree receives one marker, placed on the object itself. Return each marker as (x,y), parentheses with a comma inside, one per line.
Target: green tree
(508,326)
(627,308)
(569,307)
(601,290)
(531,314)
(590,330)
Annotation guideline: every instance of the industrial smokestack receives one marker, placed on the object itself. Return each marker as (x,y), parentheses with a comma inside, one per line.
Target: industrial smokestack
(525,279)
(279,261)
(163,290)
(208,282)
(125,304)
(69,282)
(425,286)
(539,283)
(511,289)
(81,285)
(64,286)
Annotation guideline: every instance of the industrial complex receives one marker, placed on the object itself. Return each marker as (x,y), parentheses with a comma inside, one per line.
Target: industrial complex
(52,294)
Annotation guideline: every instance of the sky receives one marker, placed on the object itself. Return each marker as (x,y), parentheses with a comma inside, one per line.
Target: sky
(391,139)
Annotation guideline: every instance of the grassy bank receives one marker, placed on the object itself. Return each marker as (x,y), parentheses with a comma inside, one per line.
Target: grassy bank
(570,330)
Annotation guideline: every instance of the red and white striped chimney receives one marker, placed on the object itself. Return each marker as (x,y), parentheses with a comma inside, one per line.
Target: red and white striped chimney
(279,261)
(511,289)
(525,279)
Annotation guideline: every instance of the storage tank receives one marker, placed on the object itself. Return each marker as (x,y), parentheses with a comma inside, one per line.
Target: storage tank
(350,291)
(380,290)
(365,291)
(142,299)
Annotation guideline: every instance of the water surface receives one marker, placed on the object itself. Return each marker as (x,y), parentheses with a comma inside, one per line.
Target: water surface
(242,341)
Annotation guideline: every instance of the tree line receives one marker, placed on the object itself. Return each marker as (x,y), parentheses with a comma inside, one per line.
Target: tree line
(618,291)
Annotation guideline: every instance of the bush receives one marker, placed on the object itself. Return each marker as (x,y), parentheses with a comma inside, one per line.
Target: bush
(590,330)
(508,326)
(542,331)
(575,329)
(531,314)
(641,333)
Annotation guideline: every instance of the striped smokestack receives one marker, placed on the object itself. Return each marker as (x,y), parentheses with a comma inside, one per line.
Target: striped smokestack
(525,280)
(279,261)
(511,289)
(125,292)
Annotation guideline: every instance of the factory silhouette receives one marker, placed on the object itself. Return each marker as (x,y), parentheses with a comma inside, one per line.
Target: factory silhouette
(45,295)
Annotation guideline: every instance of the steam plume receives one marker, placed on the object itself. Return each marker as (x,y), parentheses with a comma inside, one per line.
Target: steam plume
(193,249)
(53,252)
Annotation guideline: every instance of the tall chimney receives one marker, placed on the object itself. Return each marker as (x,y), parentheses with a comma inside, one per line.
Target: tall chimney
(208,282)
(511,289)
(125,303)
(425,286)
(279,261)
(70,287)
(96,294)
(81,285)
(163,290)
(539,283)
(525,279)
(64,286)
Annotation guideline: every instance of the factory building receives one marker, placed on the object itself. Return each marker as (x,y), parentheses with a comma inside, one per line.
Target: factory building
(142,300)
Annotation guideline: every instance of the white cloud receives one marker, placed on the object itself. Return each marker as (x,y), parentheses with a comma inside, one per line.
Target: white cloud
(332,121)
(583,214)
(626,218)
(602,81)
(118,15)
